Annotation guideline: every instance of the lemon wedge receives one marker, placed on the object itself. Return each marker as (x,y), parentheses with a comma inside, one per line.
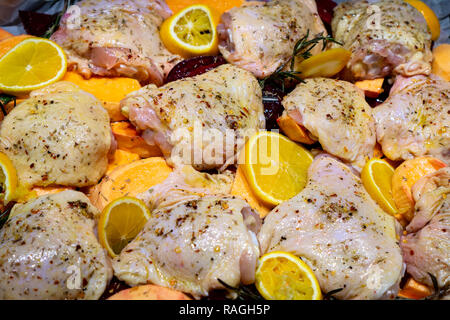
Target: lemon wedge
(32,64)
(8,179)
(283,276)
(275,167)
(325,64)
(191,32)
(120,222)
(377,179)
(430,17)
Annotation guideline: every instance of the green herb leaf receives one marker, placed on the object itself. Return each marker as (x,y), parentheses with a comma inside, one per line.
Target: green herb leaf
(302,49)
(243,292)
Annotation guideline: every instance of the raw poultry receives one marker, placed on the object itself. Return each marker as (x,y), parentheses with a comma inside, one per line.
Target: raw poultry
(415,119)
(335,113)
(260,36)
(340,232)
(385,37)
(192,239)
(426,243)
(59,136)
(117,38)
(49,250)
(203,120)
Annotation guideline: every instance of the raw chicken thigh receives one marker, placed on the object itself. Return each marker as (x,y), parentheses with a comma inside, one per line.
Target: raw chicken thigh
(426,246)
(192,239)
(201,121)
(400,44)
(48,250)
(260,36)
(340,232)
(336,114)
(59,136)
(117,38)
(415,119)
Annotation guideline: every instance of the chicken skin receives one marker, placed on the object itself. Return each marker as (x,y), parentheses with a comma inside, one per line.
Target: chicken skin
(192,239)
(415,119)
(117,38)
(59,136)
(426,246)
(336,114)
(48,250)
(340,232)
(260,36)
(201,121)
(400,44)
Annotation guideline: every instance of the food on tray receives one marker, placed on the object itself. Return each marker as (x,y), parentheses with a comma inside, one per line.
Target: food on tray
(192,239)
(149,292)
(120,222)
(108,90)
(376,177)
(385,37)
(324,64)
(71,263)
(128,139)
(129,180)
(117,38)
(275,167)
(59,136)
(226,100)
(441,61)
(415,119)
(283,276)
(191,32)
(405,176)
(141,156)
(335,113)
(260,37)
(426,243)
(340,233)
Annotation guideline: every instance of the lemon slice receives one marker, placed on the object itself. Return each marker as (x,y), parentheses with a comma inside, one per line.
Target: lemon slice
(191,32)
(283,276)
(430,17)
(325,64)
(377,179)
(8,179)
(275,167)
(33,63)
(120,222)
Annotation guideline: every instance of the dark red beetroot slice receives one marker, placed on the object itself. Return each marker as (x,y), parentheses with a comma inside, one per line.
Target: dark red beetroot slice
(272,106)
(325,10)
(194,66)
(36,24)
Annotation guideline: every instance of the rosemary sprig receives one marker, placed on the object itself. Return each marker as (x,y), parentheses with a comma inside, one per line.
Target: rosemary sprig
(4,100)
(243,292)
(4,214)
(330,294)
(438,292)
(302,49)
(55,25)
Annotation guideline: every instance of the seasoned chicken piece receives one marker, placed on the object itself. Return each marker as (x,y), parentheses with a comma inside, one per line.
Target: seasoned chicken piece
(340,232)
(48,250)
(415,119)
(60,135)
(337,115)
(260,36)
(203,120)
(117,38)
(192,239)
(399,44)
(426,246)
